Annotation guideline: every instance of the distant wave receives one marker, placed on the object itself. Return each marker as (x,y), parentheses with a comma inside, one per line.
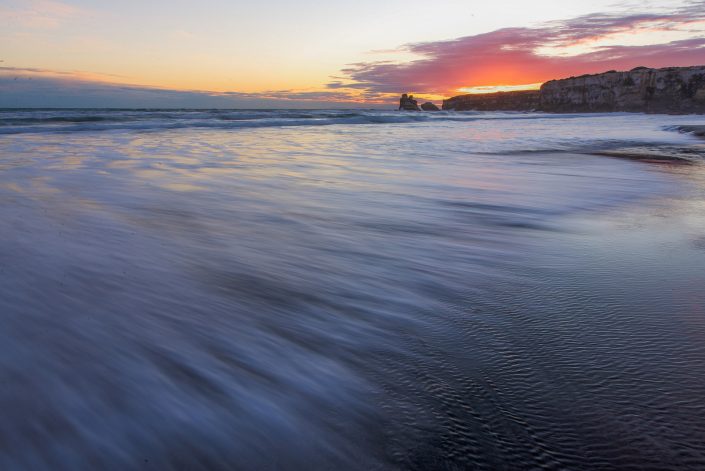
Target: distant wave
(68,121)
(489,133)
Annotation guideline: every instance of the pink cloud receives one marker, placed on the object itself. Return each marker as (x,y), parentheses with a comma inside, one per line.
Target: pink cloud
(512,56)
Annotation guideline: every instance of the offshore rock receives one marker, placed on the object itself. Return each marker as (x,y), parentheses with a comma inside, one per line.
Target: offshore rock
(428,106)
(407,103)
(524,100)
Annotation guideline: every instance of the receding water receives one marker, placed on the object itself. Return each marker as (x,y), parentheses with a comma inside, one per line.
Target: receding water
(350,290)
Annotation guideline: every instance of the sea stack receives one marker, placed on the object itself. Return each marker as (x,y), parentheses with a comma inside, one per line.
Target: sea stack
(407,103)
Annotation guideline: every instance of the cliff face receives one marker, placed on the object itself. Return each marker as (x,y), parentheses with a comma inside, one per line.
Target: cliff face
(500,101)
(667,90)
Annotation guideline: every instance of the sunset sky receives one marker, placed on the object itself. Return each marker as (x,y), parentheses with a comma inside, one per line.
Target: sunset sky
(274,53)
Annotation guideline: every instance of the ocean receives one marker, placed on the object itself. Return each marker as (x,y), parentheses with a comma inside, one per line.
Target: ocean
(363,290)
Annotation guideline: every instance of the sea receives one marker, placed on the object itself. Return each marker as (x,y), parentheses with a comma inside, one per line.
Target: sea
(351,290)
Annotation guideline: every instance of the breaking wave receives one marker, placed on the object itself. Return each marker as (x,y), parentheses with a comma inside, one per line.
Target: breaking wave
(43,121)
(482,132)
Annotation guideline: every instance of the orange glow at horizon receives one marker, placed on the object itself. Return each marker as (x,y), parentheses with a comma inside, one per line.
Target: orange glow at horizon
(499,88)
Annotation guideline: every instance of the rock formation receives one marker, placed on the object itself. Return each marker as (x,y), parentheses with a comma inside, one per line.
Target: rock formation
(407,103)
(525,100)
(428,106)
(667,90)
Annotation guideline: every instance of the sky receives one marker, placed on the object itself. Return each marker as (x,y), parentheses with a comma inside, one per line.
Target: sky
(314,54)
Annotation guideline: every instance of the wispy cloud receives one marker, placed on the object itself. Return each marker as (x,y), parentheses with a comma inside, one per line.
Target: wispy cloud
(34,87)
(516,56)
(39,14)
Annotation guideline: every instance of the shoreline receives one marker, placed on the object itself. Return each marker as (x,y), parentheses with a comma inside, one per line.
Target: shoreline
(427,293)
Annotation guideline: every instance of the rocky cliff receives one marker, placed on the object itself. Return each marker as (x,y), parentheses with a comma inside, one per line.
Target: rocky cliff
(501,101)
(667,90)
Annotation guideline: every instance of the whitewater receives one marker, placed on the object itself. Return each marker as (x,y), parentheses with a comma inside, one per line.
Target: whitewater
(329,289)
